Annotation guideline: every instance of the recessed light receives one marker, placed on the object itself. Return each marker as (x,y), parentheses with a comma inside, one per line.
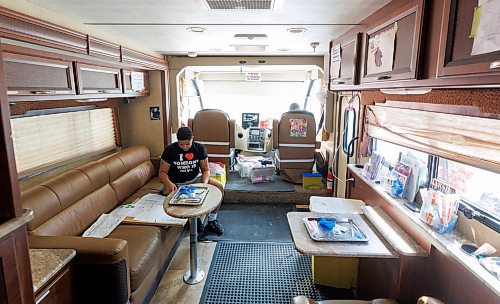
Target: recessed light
(296,30)
(196,29)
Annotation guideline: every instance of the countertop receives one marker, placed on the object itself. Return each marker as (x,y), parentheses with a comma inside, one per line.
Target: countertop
(45,263)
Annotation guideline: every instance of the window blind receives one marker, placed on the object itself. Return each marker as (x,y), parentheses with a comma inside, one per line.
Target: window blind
(45,140)
(466,139)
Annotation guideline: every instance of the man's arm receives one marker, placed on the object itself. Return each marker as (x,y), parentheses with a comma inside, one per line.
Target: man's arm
(205,171)
(163,175)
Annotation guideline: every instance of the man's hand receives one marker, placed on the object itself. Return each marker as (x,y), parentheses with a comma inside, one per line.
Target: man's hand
(171,187)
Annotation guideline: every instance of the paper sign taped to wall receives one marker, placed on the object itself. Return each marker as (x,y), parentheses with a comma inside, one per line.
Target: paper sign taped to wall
(381,51)
(137,81)
(253,76)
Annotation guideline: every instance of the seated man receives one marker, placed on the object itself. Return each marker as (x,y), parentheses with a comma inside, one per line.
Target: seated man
(186,162)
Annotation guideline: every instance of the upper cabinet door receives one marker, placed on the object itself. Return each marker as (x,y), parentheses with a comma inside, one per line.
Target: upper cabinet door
(136,82)
(464,34)
(94,79)
(392,48)
(344,62)
(34,76)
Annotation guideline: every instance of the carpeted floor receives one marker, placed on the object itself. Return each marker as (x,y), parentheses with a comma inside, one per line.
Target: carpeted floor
(253,223)
(236,183)
(262,273)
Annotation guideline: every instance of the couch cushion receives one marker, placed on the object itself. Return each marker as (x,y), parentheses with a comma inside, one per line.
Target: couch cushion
(144,249)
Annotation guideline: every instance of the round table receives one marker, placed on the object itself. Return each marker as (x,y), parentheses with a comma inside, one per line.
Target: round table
(211,201)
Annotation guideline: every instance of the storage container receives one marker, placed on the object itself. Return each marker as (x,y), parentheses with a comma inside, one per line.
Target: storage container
(312,180)
(262,175)
(219,175)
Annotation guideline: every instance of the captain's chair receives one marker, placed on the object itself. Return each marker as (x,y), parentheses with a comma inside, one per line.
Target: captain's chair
(294,137)
(215,130)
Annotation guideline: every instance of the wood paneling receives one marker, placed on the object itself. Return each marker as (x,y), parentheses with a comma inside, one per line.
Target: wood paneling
(136,58)
(104,49)
(22,27)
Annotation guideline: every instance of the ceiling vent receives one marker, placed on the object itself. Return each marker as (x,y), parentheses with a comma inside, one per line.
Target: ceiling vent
(243,4)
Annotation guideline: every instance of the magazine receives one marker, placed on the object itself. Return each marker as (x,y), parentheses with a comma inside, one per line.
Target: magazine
(189,195)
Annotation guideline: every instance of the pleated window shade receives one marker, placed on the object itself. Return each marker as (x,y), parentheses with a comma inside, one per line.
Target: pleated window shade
(45,140)
(466,139)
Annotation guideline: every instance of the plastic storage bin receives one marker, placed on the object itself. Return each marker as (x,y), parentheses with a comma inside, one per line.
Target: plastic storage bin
(262,175)
(220,175)
(312,180)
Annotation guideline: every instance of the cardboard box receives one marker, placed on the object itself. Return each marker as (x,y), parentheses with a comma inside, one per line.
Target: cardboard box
(262,175)
(312,180)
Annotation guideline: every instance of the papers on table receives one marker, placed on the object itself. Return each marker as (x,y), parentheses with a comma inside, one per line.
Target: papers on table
(148,210)
(381,51)
(104,225)
(486,27)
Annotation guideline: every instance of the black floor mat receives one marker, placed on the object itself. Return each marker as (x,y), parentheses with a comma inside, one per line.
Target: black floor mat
(253,223)
(236,183)
(262,273)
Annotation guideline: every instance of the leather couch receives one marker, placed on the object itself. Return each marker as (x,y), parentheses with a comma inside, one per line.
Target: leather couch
(129,263)
(421,300)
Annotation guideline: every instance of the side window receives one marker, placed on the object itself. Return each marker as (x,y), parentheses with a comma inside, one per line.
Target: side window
(41,141)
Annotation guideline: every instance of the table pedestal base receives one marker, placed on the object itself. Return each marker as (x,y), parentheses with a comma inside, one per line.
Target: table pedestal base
(196,278)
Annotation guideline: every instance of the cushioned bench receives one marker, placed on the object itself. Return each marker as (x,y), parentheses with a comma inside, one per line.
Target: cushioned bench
(128,264)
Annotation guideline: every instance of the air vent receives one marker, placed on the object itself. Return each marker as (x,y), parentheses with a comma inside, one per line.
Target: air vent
(243,4)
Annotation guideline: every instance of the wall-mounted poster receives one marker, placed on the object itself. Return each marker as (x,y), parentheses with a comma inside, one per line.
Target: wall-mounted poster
(380,55)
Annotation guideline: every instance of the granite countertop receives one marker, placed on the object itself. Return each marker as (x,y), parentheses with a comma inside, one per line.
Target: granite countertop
(45,263)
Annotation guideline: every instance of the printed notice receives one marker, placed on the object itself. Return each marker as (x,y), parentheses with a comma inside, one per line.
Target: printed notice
(335,62)
(381,51)
(137,81)
(486,27)
(253,76)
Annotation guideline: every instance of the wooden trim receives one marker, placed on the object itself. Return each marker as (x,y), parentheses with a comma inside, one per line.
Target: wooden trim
(133,57)
(104,49)
(165,101)
(25,28)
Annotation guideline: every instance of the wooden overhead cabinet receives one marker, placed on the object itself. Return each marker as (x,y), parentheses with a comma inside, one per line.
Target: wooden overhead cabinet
(36,76)
(464,40)
(344,62)
(392,48)
(94,79)
(135,82)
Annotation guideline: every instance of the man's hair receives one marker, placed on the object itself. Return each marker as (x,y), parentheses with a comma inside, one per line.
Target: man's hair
(184,133)
(294,107)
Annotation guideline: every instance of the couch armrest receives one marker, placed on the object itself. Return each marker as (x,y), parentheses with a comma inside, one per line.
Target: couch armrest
(88,250)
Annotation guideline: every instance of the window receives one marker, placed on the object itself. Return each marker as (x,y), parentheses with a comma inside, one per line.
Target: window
(44,140)
(391,152)
(478,187)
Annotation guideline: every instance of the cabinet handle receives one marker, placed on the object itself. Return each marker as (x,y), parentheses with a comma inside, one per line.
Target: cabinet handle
(41,92)
(45,294)
(103,91)
(339,82)
(383,77)
(495,64)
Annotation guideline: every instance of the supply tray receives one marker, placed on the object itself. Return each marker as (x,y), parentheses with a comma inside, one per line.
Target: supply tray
(345,230)
(193,199)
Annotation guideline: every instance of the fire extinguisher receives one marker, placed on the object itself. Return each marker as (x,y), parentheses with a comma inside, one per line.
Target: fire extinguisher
(329,182)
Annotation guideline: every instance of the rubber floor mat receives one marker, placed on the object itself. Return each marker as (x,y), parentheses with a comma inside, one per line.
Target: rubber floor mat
(262,273)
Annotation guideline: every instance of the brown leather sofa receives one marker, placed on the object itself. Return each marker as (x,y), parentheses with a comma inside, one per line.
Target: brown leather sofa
(129,263)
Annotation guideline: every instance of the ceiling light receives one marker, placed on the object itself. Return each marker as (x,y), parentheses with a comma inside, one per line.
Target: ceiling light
(250,36)
(296,30)
(249,48)
(192,54)
(196,29)
(242,4)
(314,45)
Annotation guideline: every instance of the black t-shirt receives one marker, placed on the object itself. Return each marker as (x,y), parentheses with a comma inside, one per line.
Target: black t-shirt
(184,165)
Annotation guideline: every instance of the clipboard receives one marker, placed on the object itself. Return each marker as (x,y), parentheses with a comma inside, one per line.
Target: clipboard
(189,199)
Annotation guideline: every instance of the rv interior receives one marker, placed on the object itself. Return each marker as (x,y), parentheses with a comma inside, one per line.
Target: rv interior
(353,151)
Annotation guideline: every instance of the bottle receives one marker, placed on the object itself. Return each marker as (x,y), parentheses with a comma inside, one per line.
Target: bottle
(329,182)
